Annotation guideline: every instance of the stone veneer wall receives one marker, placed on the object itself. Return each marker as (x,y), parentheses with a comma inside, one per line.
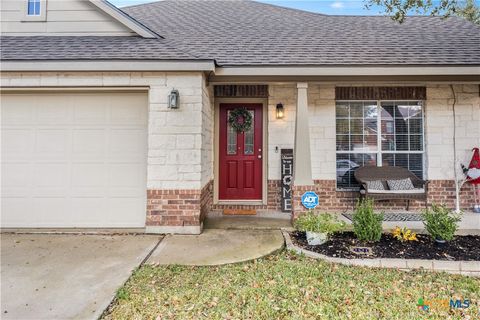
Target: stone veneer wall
(187,199)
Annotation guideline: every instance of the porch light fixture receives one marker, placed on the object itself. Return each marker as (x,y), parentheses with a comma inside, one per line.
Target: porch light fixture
(280,111)
(174,99)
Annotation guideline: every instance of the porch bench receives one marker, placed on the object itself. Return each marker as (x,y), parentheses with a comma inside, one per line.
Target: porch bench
(368,174)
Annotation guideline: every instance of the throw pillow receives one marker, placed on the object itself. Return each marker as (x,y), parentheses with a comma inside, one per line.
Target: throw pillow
(375,185)
(404,184)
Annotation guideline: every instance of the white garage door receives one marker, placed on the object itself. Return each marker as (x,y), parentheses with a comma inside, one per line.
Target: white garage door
(73,160)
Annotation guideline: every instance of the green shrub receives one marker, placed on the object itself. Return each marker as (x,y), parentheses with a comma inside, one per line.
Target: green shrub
(367,225)
(440,222)
(321,223)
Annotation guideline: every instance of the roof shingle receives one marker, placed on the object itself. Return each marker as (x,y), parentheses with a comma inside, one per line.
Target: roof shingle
(252,33)
(241,33)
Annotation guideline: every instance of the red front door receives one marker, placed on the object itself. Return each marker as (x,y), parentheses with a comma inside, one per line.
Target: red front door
(240,155)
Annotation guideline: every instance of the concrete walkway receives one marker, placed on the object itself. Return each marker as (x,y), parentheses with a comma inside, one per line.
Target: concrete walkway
(224,240)
(47,276)
(216,247)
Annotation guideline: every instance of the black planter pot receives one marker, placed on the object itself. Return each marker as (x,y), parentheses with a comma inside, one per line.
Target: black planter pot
(440,242)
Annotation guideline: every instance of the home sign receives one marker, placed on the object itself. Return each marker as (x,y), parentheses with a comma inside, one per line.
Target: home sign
(287,174)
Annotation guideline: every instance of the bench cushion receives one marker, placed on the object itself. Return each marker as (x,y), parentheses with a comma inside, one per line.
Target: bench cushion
(402,184)
(411,191)
(375,185)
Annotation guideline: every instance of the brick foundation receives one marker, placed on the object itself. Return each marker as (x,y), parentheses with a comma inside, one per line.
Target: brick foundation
(439,191)
(178,208)
(188,208)
(173,208)
(206,200)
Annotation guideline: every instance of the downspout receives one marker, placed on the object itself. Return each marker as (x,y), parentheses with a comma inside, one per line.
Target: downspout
(455,170)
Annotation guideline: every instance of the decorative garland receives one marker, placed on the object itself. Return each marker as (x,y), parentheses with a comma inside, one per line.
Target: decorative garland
(240,119)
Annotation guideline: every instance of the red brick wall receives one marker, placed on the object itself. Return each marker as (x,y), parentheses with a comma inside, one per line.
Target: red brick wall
(190,207)
(439,191)
(173,207)
(179,207)
(206,200)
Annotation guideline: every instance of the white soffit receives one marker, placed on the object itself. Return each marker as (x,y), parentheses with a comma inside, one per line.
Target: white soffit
(349,71)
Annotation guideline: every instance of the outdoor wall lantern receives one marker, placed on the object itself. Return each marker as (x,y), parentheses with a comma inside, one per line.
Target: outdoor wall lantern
(174,99)
(280,111)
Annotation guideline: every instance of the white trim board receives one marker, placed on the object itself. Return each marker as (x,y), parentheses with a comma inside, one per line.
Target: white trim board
(124,19)
(347,71)
(107,65)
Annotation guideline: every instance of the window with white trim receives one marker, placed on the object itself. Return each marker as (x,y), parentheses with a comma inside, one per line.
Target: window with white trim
(33,8)
(382,133)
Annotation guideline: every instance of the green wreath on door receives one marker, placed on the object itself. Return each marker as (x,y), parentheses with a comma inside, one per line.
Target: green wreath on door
(240,119)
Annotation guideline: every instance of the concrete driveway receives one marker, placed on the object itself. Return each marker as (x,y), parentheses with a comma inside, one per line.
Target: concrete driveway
(66,276)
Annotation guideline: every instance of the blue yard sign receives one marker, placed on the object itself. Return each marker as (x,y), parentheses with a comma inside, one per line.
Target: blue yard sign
(310,200)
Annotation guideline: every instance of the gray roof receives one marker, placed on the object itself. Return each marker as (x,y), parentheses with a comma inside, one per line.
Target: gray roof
(88,48)
(252,33)
(239,33)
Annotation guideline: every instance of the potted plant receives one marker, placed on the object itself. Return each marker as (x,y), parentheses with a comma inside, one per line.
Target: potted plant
(441,223)
(318,227)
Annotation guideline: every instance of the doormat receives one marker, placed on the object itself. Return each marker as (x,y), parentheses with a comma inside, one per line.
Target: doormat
(239,212)
(396,216)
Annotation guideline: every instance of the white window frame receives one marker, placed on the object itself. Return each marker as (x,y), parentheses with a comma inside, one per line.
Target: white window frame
(379,150)
(32,18)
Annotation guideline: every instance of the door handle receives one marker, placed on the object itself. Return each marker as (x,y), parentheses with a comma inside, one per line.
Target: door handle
(259,156)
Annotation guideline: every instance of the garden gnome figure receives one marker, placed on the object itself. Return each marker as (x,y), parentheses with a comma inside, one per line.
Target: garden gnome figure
(473,177)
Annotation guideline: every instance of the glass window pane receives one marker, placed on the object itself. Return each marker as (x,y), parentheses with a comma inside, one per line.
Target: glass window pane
(356,126)
(401,160)
(231,138)
(370,142)
(415,110)
(342,110)
(370,111)
(370,126)
(387,126)
(401,111)
(346,166)
(343,143)
(342,126)
(357,142)
(249,137)
(388,142)
(31,8)
(356,109)
(401,126)
(37,7)
(416,142)
(412,162)
(415,126)
(415,162)
(401,142)
(387,111)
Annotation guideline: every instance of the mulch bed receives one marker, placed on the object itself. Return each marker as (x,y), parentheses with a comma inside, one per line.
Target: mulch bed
(465,248)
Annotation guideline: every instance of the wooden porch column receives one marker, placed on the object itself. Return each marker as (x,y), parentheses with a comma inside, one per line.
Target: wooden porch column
(302,163)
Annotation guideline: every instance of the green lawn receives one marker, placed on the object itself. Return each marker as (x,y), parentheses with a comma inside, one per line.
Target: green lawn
(286,286)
